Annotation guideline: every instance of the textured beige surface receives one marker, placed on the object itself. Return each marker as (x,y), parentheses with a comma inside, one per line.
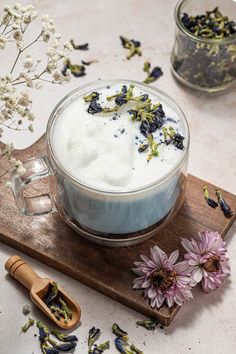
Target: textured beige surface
(207,323)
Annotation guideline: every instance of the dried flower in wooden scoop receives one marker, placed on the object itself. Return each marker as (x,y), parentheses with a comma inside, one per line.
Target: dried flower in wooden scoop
(209,200)
(56,304)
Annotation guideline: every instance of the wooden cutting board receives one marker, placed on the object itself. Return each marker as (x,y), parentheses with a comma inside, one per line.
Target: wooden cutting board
(48,239)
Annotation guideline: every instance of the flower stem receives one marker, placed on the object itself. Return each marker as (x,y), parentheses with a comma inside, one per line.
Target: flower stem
(14,64)
(22,50)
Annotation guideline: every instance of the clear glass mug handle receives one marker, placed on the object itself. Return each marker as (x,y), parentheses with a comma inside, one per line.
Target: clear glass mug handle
(36,169)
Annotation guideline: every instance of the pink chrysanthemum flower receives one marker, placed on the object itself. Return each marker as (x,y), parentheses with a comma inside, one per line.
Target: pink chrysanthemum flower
(161,279)
(206,258)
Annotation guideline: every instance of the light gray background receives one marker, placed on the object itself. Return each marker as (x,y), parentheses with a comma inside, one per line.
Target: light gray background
(206,324)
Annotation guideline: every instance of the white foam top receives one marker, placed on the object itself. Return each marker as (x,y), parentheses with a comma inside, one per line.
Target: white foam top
(101,150)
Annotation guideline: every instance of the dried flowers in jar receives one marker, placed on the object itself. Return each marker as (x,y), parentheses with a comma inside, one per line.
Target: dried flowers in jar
(204,53)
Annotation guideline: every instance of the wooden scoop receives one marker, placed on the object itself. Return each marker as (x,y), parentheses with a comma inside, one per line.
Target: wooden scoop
(38,289)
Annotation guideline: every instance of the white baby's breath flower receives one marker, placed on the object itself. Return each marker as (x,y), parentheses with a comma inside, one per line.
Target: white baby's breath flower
(38,85)
(8,184)
(17,35)
(20,170)
(2,42)
(28,62)
(30,116)
(46,36)
(15,104)
(31,128)
(67,45)
(25,100)
(57,35)
(55,43)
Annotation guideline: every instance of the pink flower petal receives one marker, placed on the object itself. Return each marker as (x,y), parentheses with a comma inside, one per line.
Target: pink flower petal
(197,274)
(173,257)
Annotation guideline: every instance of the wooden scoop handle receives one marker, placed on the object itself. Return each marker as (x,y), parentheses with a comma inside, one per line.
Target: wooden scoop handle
(21,271)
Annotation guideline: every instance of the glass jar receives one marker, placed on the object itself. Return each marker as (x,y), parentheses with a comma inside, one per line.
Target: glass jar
(200,63)
(106,217)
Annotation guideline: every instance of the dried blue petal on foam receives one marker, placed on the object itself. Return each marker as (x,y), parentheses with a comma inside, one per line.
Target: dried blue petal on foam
(94,107)
(93,96)
(178,141)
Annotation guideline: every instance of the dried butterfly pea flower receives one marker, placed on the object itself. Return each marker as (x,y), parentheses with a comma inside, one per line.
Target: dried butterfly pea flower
(48,350)
(171,136)
(27,325)
(210,25)
(84,46)
(119,332)
(63,347)
(143,147)
(94,107)
(43,332)
(147,67)
(153,147)
(104,346)
(92,96)
(110,109)
(148,324)
(88,62)
(136,350)
(132,45)
(209,201)
(94,334)
(155,73)
(121,345)
(64,337)
(178,141)
(76,70)
(205,65)
(99,349)
(223,204)
(51,293)
(65,308)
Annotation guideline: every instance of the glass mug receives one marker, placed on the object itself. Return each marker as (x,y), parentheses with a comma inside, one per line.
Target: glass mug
(110,218)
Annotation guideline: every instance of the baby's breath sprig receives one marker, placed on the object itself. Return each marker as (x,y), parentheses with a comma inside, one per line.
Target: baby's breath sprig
(26,72)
